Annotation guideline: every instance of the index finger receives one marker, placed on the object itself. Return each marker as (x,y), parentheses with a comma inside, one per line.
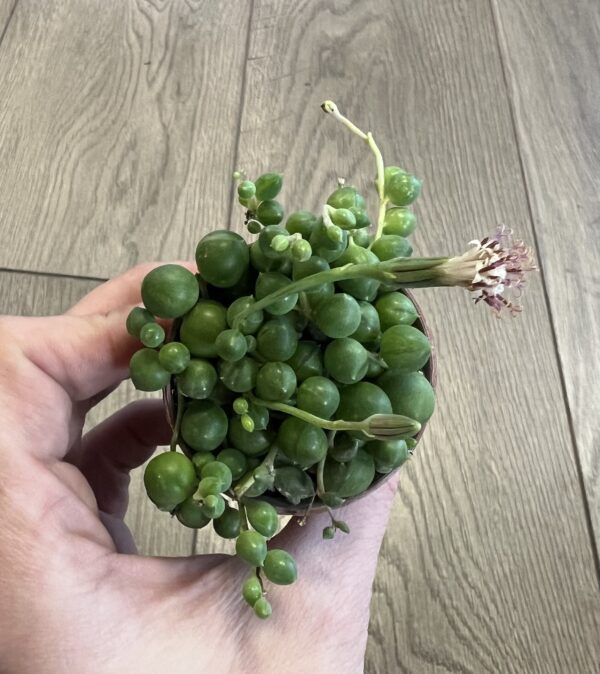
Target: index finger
(123,290)
(88,350)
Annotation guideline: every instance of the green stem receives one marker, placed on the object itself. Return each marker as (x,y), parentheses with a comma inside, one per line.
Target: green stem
(326,215)
(327,424)
(378,426)
(383,200)
(378,359)
(420,278)
(380,168)
(305,305)
(304,519)
(260,580)
(333,520)
(320,481)
(203,287)
(400,265)
(380,218)
(177,425)
(403,272)
(331,108)
(267,462)
(244,526)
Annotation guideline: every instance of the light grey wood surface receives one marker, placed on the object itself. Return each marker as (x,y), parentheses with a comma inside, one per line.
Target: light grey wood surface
(117,130)
(6,9)
(488,563)
(472,575)
(23,294)
(552,51)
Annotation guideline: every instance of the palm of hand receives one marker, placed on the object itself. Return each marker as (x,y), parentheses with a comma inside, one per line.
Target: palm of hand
(69,596)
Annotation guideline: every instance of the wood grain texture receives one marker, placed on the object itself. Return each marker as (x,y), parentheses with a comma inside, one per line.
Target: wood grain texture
(487,565)
(117,128)
(23,294)
(551,52)
(37,295)
(7,8)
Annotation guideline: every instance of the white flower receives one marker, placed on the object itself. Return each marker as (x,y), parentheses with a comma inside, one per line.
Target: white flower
(493,270)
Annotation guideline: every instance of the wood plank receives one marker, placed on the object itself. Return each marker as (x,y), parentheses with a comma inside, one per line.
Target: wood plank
(6,9)
(552,51)
(109,119)
(23,294)
(35,295)
(487,565)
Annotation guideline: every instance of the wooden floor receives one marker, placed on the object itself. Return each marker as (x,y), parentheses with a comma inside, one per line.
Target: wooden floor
(121,122)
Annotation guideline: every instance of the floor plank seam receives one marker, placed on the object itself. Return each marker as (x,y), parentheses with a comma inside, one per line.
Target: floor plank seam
(52,274)
(236,150)
(10,16)
(563,384)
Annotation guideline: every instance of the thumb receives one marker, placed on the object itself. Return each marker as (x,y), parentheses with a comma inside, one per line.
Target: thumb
(84,354)
(345,565)
(367,518)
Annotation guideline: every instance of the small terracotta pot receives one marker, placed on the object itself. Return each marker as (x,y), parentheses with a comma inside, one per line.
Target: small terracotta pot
(283,506)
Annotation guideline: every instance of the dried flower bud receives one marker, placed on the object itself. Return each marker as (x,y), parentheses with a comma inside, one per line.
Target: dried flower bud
(390,426)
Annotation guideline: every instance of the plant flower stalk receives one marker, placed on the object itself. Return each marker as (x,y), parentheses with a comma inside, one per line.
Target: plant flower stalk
(377,426)
(494,270)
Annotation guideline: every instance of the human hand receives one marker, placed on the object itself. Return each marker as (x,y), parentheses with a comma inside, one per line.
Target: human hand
(72,599)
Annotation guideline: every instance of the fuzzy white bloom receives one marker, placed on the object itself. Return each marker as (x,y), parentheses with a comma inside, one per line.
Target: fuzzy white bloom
(493,270)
